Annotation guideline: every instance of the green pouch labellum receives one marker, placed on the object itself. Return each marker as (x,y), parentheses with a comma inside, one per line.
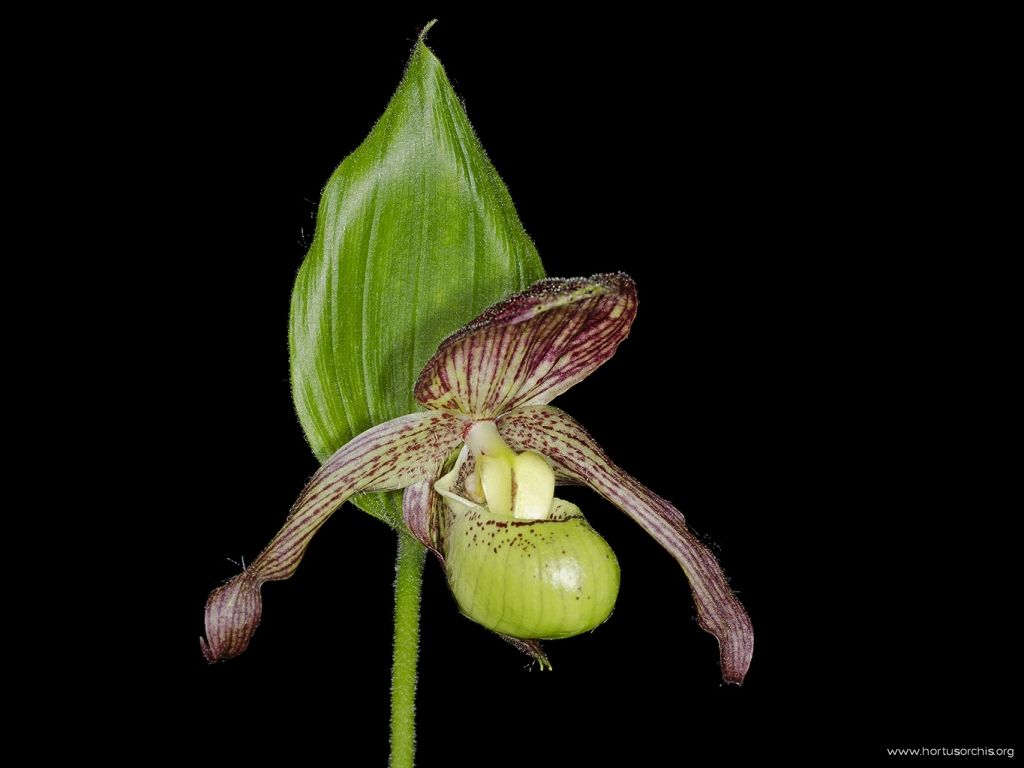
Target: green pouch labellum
(415,235)
(531,579)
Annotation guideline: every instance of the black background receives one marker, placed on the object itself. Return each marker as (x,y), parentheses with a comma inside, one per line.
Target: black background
(796,382)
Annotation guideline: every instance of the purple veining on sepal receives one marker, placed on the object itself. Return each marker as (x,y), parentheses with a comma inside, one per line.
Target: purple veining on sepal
(530,347)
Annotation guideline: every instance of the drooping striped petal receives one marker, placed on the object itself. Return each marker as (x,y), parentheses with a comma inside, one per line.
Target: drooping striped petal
(577,455)
(392,455)
(531,347)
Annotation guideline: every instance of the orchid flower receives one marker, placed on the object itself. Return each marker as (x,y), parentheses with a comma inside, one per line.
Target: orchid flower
(479,467)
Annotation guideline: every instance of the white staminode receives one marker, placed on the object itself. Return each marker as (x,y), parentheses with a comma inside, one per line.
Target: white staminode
(535,486)
(517,485)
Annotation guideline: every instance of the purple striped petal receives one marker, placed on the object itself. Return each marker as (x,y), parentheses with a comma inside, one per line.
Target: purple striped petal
(577,455)
(531,347)
(389,456)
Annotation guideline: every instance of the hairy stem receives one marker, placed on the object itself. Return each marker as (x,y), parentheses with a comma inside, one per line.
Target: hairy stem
(408,587)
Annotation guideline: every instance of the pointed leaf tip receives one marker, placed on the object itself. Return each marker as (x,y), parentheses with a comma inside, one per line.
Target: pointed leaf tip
(423,33)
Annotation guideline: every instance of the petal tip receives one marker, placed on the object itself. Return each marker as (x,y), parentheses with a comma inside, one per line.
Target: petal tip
(735,633)
(232,614)
(735,672)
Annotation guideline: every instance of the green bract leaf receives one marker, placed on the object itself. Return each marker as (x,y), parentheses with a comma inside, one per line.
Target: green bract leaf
(416,234)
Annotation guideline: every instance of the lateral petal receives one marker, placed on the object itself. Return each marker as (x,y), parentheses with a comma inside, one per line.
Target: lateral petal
(577,455)
(389,456)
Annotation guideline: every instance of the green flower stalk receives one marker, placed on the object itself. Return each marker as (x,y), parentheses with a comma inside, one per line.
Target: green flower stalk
(479,467)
